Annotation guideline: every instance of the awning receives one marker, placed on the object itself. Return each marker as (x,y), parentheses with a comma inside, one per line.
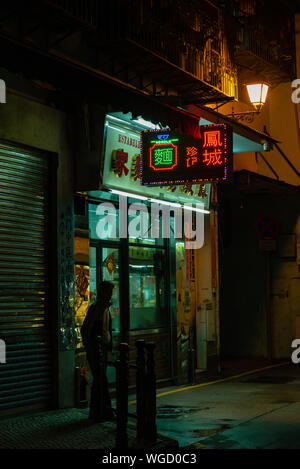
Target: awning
(245,139)
(249,183)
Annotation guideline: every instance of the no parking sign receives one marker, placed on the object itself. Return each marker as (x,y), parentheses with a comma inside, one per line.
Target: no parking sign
(267,226)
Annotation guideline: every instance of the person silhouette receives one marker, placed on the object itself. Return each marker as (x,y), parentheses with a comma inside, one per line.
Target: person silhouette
(96,332)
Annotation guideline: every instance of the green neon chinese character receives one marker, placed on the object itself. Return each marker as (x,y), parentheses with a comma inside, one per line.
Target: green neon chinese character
(163,156)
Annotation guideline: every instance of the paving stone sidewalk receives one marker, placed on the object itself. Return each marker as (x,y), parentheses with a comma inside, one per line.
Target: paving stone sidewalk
(66,429)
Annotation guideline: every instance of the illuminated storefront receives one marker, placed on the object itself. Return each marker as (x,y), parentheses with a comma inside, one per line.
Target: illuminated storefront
(154,277)
(164,292)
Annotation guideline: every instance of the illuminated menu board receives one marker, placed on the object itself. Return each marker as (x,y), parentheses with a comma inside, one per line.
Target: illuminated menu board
(172,158)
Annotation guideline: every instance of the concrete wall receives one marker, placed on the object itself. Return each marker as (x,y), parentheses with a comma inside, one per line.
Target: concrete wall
(27,120)
(244,289)
(207,310)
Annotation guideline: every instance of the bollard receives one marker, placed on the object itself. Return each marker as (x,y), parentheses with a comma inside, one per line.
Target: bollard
(140,388)
(150,395)
(192,366)
(122,397)
(83,386)
(77,386)
(102,374)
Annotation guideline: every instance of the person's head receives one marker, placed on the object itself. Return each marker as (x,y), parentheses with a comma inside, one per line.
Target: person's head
(105,290)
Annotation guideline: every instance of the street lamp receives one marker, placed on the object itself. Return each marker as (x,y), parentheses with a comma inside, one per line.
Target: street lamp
(257,93)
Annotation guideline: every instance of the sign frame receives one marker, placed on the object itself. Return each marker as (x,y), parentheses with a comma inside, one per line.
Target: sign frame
(191,160)
(124,137)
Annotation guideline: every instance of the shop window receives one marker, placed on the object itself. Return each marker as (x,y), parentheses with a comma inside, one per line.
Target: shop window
(82,294)
(93,273)
(147,283)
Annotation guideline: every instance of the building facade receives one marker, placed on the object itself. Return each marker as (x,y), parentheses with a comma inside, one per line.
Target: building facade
(36,200)
(82,80)
(260,303)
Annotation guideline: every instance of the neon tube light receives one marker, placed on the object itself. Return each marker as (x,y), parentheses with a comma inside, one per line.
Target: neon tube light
(193,209)
(128,194)
(159,201)
(164,202)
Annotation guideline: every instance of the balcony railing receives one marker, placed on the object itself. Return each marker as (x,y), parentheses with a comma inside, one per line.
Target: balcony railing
(267,33)
(193,41)
(87,11)
(189,35)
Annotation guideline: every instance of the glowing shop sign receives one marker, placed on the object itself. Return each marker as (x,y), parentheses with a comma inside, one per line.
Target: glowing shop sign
(163,156)
(169,158)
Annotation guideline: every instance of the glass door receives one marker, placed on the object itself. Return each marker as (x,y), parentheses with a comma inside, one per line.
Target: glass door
(105,266)
(147,286)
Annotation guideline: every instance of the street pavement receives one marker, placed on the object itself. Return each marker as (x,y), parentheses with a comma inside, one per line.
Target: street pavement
(239,409)
(68,429)
(258,410)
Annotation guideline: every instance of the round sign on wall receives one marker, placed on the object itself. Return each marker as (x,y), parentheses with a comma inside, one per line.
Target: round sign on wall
(267,226)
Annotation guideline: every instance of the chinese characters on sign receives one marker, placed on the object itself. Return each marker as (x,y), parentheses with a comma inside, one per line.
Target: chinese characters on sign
(123,165)
(170,158)
(187,188)
(191,156)
(163,156)
(213,148)
(212,138)
(119,161)
(135,174)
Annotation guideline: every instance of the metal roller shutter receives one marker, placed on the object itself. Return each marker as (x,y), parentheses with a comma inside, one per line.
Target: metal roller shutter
(25,379)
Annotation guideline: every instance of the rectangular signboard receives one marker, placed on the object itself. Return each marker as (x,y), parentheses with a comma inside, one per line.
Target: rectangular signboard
(122,169)
(169,157)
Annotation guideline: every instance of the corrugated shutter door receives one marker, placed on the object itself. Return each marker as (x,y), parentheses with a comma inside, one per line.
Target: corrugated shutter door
(25,379)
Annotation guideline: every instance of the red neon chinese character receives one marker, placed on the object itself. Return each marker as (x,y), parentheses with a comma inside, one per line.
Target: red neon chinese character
(120,159)
(213,158)
(212,139)
(136,168)
(171,188)
(191,156)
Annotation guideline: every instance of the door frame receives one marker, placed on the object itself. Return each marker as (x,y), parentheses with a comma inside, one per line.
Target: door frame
(123,280)
(170,277)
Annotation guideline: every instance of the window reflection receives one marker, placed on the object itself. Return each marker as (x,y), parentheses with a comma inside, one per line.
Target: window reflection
(147,287)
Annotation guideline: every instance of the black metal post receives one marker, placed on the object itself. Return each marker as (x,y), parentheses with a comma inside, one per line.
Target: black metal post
(150,394)
(140,388)
(101,360)
(192,365)
(122,397)
(77,386)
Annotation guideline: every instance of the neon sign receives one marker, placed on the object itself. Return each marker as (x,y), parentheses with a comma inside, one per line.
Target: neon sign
(170,158)
(163,156)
